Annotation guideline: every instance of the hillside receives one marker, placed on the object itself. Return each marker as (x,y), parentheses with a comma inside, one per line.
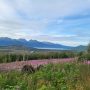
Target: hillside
(32,44)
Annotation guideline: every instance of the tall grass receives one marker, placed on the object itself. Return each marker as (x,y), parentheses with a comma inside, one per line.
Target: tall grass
(51,77)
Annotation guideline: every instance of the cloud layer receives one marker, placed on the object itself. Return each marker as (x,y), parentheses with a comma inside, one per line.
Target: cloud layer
(60,21)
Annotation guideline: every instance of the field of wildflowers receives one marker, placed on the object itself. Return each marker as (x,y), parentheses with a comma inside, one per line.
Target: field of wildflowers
(66,76)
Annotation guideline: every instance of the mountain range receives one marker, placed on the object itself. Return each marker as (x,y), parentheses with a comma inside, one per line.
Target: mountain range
(6,42)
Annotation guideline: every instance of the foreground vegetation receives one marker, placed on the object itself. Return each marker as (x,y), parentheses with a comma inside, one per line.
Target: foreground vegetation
(50,77)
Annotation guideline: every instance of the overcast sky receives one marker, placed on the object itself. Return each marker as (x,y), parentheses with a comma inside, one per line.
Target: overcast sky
(60,21)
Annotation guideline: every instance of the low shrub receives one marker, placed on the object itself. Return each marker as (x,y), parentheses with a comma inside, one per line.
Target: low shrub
(28,69)
(84,57)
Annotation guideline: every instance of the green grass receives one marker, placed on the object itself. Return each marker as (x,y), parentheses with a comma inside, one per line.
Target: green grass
(51,77)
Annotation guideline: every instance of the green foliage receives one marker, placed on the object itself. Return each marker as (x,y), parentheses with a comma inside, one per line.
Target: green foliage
(84,57)
(88,49)
(11,57)
(50,77)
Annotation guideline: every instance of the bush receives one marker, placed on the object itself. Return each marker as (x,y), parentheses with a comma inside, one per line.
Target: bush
(28,69)
(84,56)
(88,48)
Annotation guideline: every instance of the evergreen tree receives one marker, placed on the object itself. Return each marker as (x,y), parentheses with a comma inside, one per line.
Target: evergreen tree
(88,49)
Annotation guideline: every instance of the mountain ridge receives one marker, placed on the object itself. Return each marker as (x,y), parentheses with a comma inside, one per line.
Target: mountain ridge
(5,41)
